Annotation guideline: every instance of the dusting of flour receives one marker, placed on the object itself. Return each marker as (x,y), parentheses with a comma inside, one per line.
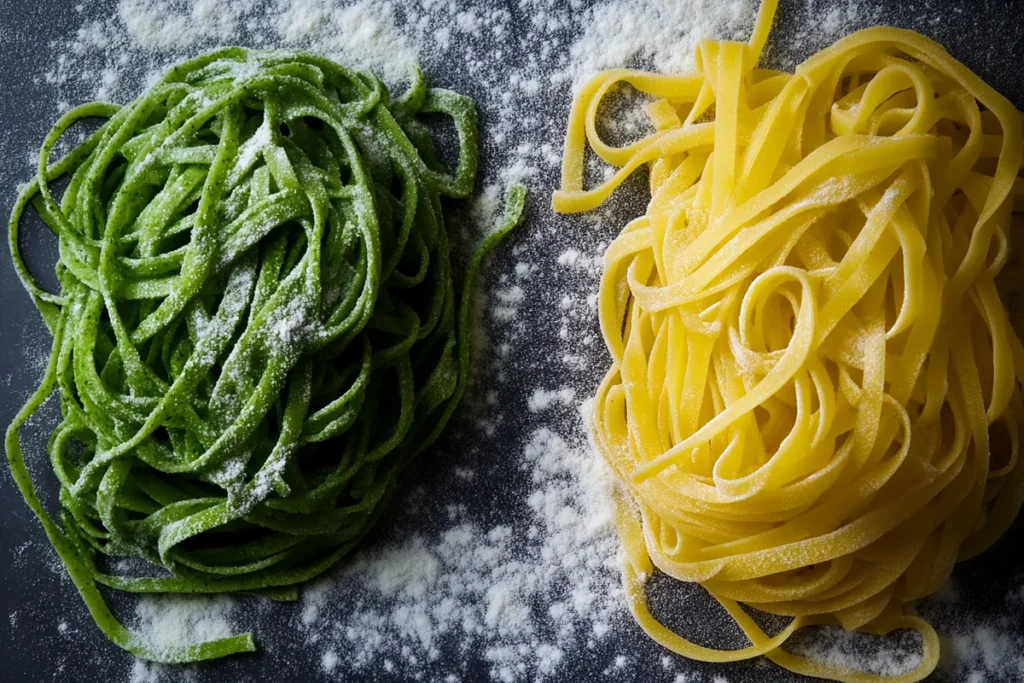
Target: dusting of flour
(530,590)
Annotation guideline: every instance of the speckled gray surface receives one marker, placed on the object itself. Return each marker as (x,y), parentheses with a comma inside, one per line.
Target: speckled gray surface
(35,595)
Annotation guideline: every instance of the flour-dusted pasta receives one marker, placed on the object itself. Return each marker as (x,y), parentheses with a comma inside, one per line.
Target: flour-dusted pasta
(257,327)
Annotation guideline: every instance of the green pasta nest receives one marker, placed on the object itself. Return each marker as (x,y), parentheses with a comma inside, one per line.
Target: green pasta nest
(257,327)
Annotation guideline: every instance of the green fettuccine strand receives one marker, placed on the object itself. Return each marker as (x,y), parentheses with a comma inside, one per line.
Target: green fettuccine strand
(257,327)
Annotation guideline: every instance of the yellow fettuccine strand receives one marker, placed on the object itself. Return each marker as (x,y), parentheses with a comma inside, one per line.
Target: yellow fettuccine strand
(815,401)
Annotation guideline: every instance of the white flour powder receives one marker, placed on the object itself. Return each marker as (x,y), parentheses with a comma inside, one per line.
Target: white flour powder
(658,34)
(527,592)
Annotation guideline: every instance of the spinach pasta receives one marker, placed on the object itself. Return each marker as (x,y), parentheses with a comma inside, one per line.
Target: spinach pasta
(257,326)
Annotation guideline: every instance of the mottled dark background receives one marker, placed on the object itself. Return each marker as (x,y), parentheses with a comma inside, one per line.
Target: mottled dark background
(987,35)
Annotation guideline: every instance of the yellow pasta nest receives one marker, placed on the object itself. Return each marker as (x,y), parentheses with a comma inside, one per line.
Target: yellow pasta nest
(814,403)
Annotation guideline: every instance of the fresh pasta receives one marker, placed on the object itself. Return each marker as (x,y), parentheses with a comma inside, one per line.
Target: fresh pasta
(814,405)
(257,326)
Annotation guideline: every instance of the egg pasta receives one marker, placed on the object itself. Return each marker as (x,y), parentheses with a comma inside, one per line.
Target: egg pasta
(814,405)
